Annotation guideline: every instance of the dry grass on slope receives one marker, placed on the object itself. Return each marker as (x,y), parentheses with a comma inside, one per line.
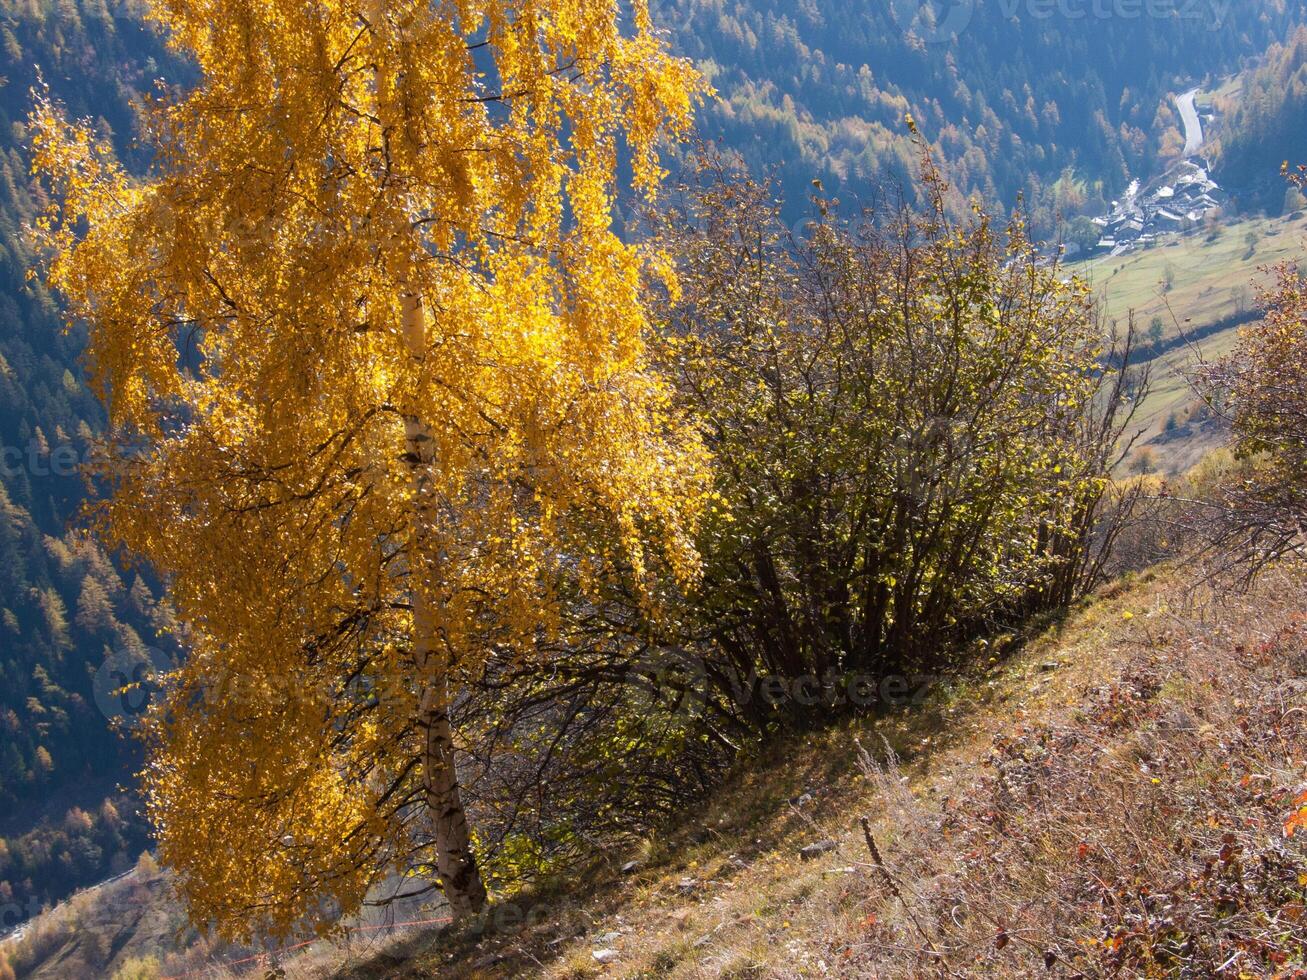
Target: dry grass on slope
(1110,802)
(1142,834)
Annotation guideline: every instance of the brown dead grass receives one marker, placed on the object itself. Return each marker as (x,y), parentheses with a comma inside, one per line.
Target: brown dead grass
(1108,802)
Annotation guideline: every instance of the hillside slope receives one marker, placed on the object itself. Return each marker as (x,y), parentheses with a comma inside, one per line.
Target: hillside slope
(1114,800)
(1112,797)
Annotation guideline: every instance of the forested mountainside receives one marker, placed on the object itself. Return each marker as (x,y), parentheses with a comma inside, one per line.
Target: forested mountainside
(1061,106)
(1263,124)
(63,603)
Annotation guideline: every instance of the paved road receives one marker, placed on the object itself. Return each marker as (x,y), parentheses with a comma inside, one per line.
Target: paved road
(1193,126)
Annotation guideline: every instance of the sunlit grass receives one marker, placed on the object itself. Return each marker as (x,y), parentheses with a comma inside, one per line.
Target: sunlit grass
(1188,283)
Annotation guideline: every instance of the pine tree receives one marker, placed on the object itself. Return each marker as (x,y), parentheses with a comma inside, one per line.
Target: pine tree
(94,611)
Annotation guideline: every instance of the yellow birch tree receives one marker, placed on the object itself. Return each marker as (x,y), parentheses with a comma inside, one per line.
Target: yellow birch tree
(374,360)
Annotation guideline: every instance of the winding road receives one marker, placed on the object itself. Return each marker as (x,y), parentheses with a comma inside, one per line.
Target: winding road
(1193,126)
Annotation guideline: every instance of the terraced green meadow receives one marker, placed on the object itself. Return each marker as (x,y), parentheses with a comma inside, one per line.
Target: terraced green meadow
(1190,294)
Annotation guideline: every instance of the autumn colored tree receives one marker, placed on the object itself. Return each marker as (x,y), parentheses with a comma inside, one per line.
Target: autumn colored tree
(913,419)
(1258,514)
(375,367)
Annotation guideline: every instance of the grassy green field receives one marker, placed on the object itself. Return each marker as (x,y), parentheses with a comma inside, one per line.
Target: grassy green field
(1186,284)
(1197,279)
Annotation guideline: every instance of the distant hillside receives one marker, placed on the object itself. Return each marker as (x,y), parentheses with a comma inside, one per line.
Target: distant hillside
(124,925)
(1064,110)
(1264,126)
(63,602)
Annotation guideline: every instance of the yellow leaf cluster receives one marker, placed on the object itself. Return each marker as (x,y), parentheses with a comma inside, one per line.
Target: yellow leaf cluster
(338,163)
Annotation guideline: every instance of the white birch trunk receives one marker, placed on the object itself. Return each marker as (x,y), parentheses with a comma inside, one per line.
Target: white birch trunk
(455,863)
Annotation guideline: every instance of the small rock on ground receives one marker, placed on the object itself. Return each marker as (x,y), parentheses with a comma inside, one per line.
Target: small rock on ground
(816,850)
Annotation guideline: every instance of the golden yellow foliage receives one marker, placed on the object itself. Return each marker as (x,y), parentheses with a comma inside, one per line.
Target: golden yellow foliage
(375,366)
